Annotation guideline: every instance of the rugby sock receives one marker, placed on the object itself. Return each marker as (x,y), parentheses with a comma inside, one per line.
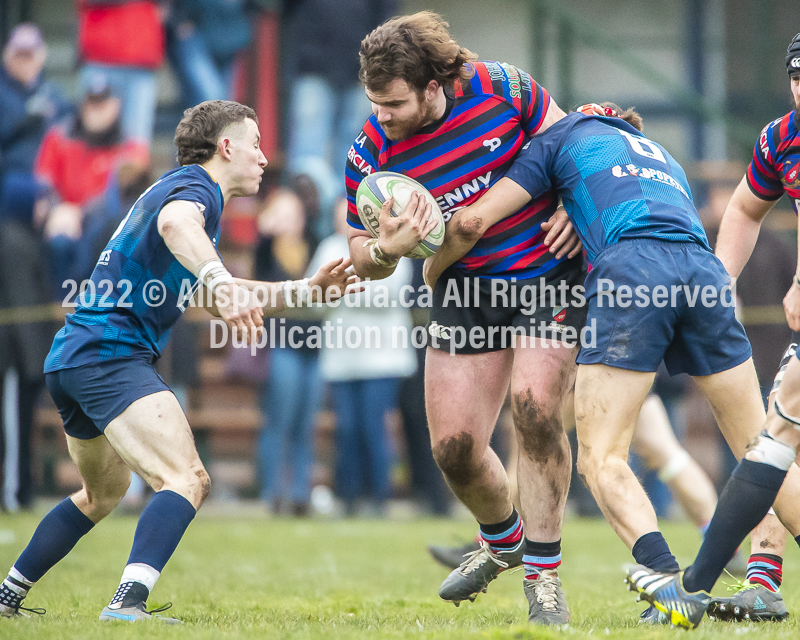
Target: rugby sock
(745,500)
(540,556)
(653,552)
(765,569)
(504,535)
(160,529)
(158,532)
(56,535)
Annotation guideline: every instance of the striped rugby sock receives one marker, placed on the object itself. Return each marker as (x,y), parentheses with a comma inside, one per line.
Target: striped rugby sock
(765,569)
(540,556)
(504,535)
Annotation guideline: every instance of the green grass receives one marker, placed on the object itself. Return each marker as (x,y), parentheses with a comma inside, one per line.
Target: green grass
(244,577)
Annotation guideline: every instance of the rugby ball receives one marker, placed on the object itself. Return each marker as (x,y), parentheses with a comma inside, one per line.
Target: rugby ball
(377,188)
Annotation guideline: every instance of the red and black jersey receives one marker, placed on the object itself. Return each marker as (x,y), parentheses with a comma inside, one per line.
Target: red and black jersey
(488,120)
(775,167)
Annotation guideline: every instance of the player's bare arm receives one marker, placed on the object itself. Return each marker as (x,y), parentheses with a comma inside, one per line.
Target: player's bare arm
(180,224)
(467,225)
(398,235)
(739,228)
(331,281)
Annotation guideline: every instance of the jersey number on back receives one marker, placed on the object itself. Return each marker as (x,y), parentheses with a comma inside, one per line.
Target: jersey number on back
(644,147)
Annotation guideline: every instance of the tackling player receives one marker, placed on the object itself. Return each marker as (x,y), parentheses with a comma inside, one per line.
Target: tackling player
(656,292)
(118,413)
(455,125)
(773,171)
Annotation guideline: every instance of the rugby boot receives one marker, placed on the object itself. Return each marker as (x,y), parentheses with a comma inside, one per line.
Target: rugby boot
(750,602)
(11,604)
(547,604)
(128,605)
(137,613)
(666,593)
(651,615)
(452,557)
(477,570)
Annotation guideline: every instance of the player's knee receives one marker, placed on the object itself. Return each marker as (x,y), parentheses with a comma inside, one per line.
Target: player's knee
(199,487)
(104,499)
(540,429)
(456,457)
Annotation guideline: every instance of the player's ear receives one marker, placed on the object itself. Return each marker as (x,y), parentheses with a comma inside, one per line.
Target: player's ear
(224,147)
(431,90)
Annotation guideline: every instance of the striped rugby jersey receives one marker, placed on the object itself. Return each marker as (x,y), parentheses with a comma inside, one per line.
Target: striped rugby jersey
(487,120)
(775,166)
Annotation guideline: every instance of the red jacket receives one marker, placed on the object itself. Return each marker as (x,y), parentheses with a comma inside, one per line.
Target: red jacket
(128,34)
(77,171)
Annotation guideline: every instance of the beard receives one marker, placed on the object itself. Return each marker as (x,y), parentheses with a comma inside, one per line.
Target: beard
(398,130)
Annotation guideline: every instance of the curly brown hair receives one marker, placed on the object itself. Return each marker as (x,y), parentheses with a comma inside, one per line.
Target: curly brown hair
(201,126)
(416,48)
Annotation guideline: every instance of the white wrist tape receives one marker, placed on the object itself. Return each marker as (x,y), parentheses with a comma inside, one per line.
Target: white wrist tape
(378,257)
(296,293)
(212,274)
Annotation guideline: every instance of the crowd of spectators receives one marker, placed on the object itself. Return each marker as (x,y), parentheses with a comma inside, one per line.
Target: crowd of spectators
(70,172)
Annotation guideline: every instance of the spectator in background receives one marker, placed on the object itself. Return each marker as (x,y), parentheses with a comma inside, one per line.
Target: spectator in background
(203,40)
(326,103)
(292,394)
(364,380)
(77,161)
(124,39)
(29,104)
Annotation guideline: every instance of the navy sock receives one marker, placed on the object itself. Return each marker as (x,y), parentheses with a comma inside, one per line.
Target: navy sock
(56,535)
(160,529)
(745,500)
(653,552)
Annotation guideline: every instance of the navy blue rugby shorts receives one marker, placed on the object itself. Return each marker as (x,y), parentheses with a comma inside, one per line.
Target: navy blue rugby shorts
(92,395)
(667,317)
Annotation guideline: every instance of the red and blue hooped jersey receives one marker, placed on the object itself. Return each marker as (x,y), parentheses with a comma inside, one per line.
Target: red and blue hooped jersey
(488,119)
(775,167)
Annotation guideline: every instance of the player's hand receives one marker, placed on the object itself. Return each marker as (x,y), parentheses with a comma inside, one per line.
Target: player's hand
(791,306)
(594,109)
(401,234)
(334,280)
(561,238)
(239,308)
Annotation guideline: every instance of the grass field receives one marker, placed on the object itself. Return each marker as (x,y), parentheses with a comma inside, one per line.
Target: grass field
(252,577)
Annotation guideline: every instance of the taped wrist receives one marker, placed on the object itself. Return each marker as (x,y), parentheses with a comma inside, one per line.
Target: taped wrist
(296,293)
(213,273)
(378,256)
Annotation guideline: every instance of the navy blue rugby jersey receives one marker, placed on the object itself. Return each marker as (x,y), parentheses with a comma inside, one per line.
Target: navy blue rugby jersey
(139,288)
(488,119)
(614,182)
(775,167)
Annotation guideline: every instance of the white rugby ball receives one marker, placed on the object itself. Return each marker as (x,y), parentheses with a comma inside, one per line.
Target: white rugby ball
(378,187)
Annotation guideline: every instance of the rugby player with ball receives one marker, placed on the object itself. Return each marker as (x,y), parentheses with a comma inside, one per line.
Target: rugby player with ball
(455,125)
